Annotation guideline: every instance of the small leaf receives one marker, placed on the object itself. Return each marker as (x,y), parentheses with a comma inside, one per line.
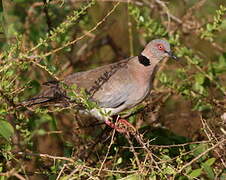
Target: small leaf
(132,177)
(3,111)
(208,170)
(209,27)
(41,132)
(6,129)
(210,161)
(152,177)
(199,78)
(119,161)
(169,170)
(195,173)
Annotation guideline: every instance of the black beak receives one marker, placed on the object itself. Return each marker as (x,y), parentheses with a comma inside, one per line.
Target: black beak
(170,53)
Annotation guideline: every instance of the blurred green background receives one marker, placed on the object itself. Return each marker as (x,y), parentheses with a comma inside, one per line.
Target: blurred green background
(48,39)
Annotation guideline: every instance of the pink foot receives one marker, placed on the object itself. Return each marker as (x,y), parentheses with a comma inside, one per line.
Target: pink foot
(122,126)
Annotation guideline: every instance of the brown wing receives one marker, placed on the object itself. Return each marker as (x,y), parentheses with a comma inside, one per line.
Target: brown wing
(116,90)
(90,80)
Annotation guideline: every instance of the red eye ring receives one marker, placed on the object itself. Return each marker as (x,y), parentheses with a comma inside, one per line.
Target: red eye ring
(160,47)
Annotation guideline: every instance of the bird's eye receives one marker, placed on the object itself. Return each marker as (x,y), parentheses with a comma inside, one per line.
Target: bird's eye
(160,47)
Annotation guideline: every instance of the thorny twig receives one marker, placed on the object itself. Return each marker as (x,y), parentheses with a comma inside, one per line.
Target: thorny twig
(202,154)
(106,156)
(212,138)
(127,135)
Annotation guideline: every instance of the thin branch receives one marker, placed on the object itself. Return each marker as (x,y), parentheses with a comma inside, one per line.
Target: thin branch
(46,11)
(200,155)
(106,156)
(85,34)
(47,156)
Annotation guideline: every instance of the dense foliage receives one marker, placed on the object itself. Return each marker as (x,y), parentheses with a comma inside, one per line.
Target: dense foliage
(181,126)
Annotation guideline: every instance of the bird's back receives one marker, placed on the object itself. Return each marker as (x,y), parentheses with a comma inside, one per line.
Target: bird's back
(91,80)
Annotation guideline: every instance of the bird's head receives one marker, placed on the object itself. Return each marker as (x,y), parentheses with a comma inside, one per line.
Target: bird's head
(158,49)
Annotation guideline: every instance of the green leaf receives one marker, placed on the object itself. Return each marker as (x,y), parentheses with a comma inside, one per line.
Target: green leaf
(3,111)
(210,161)
(199,78)
(201,106)
(208,170)
(169,170)
(209,27)
(223,175)
(152,176)
(132,177)
(195,173)
(119,161)
(6,129)
(198,149)
(2,177)
(41,132)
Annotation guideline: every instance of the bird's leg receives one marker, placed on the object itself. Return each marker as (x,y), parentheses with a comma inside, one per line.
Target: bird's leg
(114,126)
(125,126)
(121,125)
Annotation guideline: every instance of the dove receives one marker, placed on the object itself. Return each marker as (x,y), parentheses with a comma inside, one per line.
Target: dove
(114,87)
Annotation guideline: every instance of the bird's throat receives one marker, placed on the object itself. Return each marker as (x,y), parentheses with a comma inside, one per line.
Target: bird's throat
(144,60)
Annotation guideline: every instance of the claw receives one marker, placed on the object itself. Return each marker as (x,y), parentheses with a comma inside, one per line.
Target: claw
(122,126)
(128,126)
(114,126)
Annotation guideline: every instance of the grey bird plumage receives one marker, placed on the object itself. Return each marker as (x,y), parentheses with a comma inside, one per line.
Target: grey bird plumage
(114,87)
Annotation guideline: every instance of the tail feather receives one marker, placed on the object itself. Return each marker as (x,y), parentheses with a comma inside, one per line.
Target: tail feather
(38,101)
(53,94)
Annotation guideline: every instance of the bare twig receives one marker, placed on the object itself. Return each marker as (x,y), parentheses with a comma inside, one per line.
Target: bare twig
(127,135)
(212,138)
(85,34)
(13,172)
(47,156)
(106,156)
(61,171)
(202,154)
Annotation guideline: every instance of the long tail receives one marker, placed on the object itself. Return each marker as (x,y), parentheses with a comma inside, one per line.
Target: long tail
(38,101)
(52,95)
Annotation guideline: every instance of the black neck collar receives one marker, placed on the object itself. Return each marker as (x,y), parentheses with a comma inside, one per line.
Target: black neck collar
(144,60)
